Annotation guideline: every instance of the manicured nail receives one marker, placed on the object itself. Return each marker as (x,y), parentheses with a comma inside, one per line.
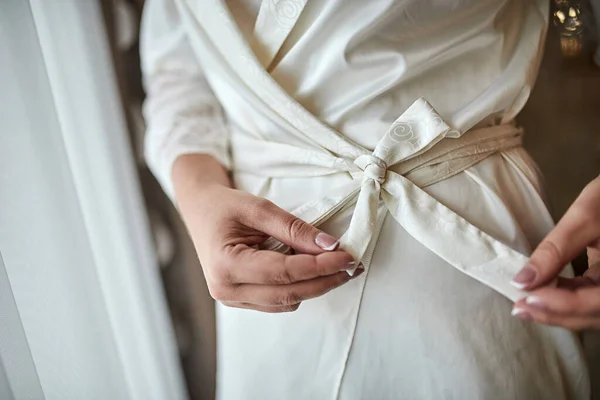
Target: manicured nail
(349,266)
(521,314)
(534,301)
(326,242)
(524,278)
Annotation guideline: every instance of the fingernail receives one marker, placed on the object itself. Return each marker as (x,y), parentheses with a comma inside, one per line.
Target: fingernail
(521,314)
(524,278)
(534,301)
(326,242)
(349,266)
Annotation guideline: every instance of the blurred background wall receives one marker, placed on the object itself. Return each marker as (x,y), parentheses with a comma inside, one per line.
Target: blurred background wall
(562,122)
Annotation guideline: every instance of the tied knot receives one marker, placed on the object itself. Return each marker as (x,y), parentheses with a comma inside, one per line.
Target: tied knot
(373,168)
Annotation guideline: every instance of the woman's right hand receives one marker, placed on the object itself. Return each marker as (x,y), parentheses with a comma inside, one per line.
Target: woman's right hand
(226,225)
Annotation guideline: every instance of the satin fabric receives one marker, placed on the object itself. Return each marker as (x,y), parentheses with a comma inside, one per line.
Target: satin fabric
(412,326)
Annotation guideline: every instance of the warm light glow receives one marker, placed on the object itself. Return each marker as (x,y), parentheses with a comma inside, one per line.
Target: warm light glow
(561,16)
(572,12)
(570,46)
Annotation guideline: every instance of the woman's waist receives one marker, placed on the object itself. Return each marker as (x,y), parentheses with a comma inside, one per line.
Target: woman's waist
(290,157)
(419,147)
(311,197)
(314,199)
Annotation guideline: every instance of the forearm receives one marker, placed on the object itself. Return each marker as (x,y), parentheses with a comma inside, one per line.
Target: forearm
(193,172)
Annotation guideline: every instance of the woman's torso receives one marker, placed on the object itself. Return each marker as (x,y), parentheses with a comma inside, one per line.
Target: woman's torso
(412,324)
(358,65)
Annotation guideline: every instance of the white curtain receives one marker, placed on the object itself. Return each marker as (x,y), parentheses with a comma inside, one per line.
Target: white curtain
(88,318)
(18,376)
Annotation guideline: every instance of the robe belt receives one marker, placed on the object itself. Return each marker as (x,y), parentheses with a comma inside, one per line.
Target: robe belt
(419,149)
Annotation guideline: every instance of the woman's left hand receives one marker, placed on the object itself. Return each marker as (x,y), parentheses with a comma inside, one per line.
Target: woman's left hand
(573,303)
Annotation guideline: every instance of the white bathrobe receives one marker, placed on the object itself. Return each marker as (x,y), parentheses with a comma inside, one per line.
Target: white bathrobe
(390,124)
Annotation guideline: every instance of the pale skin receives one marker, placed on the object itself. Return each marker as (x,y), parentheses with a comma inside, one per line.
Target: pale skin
(226,224)
(573,303)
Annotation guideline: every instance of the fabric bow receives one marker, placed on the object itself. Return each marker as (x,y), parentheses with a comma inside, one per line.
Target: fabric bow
(416,130)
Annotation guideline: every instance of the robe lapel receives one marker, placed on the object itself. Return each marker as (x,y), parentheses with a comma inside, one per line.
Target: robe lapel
(275,21)
(220,28)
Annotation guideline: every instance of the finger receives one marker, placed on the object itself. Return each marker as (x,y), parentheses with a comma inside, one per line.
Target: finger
(286,295)
(580,302)
(574,283)
(579,227)
(574,323)
(266,309)
(248,265)
(266,217)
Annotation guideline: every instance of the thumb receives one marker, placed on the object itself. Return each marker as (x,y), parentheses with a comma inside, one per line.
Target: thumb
(289,229)
(578,228)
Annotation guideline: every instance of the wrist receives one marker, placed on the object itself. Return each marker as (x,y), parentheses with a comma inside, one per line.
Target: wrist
(194,175)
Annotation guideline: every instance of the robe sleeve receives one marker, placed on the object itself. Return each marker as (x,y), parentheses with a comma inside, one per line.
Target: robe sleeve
(182,114)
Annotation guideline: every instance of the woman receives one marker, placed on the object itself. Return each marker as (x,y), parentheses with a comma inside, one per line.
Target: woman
(387,124)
